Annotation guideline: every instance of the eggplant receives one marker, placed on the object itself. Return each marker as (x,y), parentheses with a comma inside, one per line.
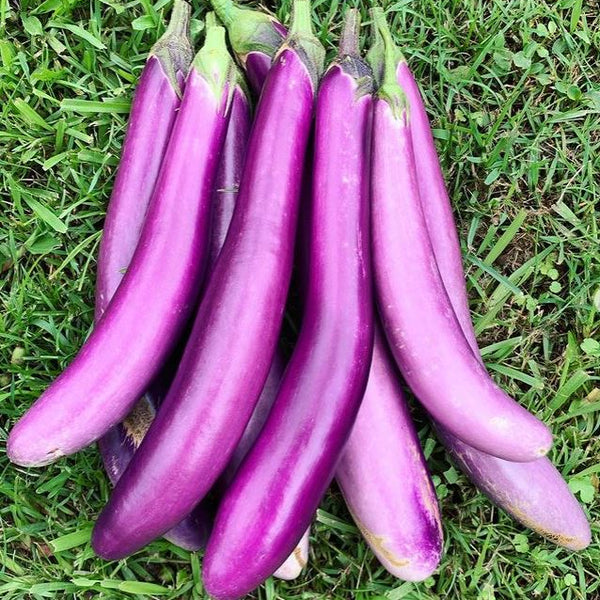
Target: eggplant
(533,493)
(275,492)
(230,170)
(384,478)
(134,337)
(227,358)
(255,37)
(425,336)
(153,113)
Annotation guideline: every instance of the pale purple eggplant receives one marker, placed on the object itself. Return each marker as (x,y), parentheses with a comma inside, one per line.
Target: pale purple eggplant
(153,111)
(275,493)
(534,493)
(424,334)
(384,477)
(255,37)
(134,336)
(234,338)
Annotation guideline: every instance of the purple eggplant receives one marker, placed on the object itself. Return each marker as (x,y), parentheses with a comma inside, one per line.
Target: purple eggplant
(384,477)
(255,37)
(234,337)
(534,493)
(273,497)
(119,444)
(156,101)
(153,113)
(424,334)
(134,337)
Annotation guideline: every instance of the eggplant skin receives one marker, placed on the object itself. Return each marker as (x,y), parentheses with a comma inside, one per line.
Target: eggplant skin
(424,334)
(222,372)
(384,477)
(276,491)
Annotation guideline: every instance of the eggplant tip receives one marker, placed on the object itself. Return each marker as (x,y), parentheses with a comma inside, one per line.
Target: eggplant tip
(413,571)
(104,546)
(23,452)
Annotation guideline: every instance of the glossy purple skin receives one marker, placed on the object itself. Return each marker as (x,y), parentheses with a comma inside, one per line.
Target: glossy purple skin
(424,334)
(230,172)
(153,113)
(256,422)
(534,493)
(234,338)
(134,336)
(298,559)
(384,477)
(256,66)
(277,489)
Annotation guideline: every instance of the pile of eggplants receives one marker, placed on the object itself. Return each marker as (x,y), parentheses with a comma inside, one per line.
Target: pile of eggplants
(209,435)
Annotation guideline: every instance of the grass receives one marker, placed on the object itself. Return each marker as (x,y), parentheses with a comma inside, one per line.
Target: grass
(512,90)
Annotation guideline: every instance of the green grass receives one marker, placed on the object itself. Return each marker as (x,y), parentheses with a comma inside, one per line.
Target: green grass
(513,92)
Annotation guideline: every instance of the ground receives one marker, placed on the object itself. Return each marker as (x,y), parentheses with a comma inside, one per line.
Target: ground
(512,90)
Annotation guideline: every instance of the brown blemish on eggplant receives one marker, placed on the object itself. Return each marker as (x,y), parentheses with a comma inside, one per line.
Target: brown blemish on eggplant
(568,541)
(138,421)
(298,556)
(377,544)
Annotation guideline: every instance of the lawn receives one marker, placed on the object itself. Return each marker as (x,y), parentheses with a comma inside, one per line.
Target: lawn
(512,89)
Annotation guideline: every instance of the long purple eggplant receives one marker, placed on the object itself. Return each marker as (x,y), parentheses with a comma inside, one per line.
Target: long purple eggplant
(153,112)
(384,477)
(534,493)
(424,334)
(275,492)
(134,336)
(119,444)
(233,341)
(255,37)
(230,171)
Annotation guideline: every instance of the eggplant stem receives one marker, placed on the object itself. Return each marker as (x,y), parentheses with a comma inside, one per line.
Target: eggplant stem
(385,56)
(349,40)
(301,22)
(180,19)
(226,11)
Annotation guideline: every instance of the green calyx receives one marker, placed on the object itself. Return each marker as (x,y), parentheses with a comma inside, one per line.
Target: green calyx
(249,30)
(349,58)
(213,60)
(384,58)
(302,39)
(174,48)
